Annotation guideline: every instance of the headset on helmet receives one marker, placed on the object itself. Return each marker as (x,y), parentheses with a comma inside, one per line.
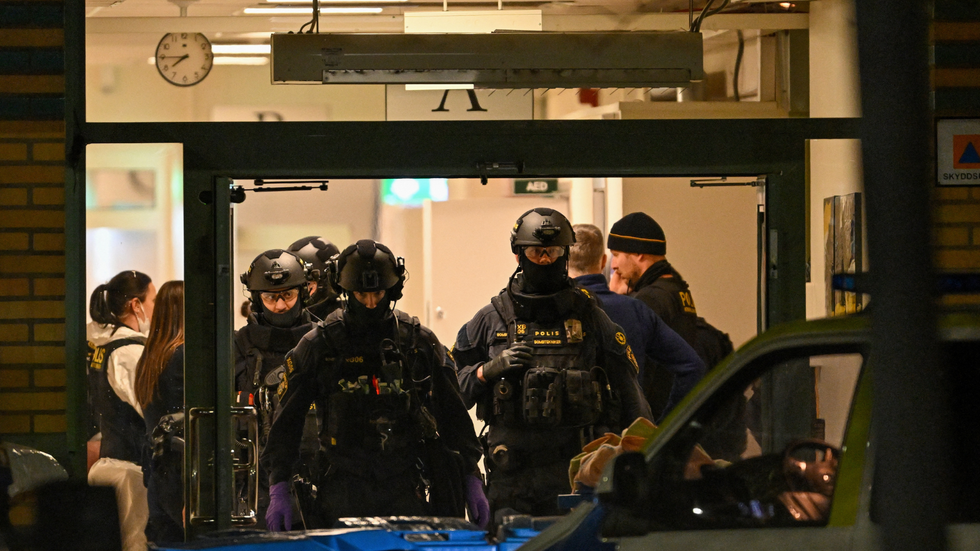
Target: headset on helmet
(368,266)
(275,270)
(541,226)
(316,253)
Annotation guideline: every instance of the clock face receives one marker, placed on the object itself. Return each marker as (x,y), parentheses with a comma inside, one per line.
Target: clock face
(184,59)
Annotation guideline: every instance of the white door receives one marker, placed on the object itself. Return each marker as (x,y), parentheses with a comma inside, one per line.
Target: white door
(468,259)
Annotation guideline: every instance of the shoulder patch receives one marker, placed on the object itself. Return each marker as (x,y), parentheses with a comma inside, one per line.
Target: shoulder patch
(585,292)
(620,337)
(632,358)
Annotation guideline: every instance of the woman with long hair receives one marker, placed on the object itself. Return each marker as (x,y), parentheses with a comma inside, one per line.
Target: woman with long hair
(160,391)
(121,311)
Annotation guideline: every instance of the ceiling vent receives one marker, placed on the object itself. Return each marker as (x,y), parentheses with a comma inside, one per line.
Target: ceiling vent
(498,60)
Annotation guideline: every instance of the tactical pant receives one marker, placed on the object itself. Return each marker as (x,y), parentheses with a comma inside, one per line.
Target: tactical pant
(346,494)
(528,490)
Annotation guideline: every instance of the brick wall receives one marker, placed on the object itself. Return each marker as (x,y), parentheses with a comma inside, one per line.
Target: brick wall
(32,225)
(956,93)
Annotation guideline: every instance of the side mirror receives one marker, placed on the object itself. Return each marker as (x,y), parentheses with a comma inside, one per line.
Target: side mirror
(625,480)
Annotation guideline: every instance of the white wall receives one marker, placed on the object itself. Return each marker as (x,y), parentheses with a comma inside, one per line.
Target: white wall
(835,165)
(711,241)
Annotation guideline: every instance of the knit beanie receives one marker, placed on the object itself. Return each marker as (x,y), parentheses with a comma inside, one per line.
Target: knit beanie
(637,233)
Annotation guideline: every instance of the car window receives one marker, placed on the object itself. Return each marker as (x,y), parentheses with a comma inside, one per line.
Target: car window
(763,452)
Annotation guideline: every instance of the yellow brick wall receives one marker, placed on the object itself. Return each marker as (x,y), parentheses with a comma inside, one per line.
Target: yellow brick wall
(32,280)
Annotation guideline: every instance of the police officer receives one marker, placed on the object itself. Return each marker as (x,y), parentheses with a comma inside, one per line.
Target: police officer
(645,331)
(316,252)
(547,370)
(276,281)
(638,247)
(395,438)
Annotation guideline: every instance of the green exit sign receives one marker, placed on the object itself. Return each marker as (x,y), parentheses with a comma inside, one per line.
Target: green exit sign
(542,186)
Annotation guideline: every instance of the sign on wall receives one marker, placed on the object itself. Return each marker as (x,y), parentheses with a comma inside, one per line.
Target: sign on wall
(457,104)
(958,152)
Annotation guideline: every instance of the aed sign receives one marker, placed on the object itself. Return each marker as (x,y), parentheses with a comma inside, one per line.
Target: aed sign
(541,186)
(958,152)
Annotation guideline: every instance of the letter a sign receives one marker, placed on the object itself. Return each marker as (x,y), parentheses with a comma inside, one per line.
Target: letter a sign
(958,152)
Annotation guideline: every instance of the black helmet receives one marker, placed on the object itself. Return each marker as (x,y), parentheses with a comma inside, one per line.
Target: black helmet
(368,267)
(541,226)
(315,252)
(273,270)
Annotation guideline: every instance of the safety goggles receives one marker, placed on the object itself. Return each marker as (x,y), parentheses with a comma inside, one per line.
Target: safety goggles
(287,296)
(536,253)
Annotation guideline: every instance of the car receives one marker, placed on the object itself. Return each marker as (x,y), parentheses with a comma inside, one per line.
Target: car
(774,450)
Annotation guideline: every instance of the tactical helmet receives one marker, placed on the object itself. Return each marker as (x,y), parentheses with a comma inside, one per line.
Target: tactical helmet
(541,226)
(273,270)
(315,252)
(368,267)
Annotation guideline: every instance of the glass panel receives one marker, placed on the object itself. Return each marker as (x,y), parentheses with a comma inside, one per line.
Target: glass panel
(136,69)
(767,452)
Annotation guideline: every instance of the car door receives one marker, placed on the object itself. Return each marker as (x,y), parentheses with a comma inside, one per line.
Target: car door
(773,456)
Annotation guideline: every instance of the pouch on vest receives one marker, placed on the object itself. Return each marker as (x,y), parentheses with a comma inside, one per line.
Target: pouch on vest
(543,396)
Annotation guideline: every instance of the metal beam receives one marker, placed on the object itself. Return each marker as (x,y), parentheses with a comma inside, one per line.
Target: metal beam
(457,149)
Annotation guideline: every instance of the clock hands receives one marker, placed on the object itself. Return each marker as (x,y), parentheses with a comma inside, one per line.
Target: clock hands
(181,57)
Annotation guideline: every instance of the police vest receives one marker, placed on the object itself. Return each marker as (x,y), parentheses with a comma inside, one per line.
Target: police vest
(375,397)
(564,387)
(123,429)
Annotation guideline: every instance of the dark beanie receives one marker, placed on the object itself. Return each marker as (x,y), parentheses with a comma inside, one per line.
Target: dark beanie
(637,233)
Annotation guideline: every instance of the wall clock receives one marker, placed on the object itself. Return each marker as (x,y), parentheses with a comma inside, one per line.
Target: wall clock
(184,59)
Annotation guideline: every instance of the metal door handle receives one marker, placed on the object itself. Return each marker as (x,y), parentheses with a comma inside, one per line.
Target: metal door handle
(250,465)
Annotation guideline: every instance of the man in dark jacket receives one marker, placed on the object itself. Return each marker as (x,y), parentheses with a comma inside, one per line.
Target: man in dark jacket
(547,370)
(645,331)
(394,436)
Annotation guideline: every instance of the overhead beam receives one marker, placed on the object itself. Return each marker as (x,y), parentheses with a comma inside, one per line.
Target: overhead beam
(394,23)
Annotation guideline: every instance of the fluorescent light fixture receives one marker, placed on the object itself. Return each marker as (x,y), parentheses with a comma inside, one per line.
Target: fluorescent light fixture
(310,3)
(253,49)
(421,87)
(240,60)
(305,11)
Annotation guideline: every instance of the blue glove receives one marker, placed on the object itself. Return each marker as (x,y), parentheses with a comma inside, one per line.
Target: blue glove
(476,500)
(280,509)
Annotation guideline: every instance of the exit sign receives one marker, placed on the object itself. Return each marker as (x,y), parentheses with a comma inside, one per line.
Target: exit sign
(535,187)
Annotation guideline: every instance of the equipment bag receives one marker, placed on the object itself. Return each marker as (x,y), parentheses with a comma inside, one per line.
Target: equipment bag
(712,344)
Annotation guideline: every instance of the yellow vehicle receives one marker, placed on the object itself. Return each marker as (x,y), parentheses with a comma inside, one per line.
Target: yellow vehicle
(792,470)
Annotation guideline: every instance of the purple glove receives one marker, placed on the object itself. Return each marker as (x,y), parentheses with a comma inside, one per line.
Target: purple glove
(476,500)
(280,509)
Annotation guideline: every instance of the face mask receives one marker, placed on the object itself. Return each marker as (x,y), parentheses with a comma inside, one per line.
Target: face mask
(285,319)
(362,314)
(143,322)
(543,280)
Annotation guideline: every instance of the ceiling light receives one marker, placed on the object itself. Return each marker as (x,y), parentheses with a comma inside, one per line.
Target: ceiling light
(305,11)
(786,5)
(240,60)
(310,3)
(219,49)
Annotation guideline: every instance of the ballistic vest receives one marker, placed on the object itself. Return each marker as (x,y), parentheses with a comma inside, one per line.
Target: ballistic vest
(123,429)
(564,387)
(374,394)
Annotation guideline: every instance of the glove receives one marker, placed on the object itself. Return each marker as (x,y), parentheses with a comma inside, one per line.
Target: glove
(476,500)
(280,509)
(518,356)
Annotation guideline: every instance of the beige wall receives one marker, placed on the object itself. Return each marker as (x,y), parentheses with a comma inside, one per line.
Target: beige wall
(835,165)
(711,241)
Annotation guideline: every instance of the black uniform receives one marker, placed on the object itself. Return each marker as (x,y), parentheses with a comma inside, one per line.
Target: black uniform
(392,424)
(259,350)
(163,474)
(670,298)
(534,431)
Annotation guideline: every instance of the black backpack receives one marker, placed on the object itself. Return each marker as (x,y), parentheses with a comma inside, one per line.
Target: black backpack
(711,343)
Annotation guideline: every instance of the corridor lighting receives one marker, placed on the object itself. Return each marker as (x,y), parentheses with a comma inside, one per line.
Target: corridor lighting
(305,11)
(254,49)
(309,3)
(240,60)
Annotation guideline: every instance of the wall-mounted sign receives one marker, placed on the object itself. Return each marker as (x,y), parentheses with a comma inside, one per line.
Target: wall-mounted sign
(541,186)
(958,152)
